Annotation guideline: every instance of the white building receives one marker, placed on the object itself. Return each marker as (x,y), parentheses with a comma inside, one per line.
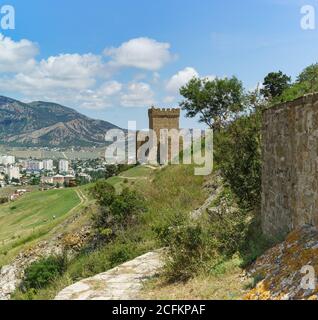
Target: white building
(14,172)
(63,165)
(7,160)
(33,165)
(48,165)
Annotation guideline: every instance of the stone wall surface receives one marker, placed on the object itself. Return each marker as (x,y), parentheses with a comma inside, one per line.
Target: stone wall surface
(160,119)
(290,166)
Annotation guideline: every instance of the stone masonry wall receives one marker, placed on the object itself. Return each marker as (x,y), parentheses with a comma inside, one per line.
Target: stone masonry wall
(290,166)
(160,119)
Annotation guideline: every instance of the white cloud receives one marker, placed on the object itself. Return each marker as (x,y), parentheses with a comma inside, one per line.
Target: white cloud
(110,88)
(83,80)
(100,98)
(180,79)
(143,53)
(16,56)
(169,99)
(138,94)
(60,76)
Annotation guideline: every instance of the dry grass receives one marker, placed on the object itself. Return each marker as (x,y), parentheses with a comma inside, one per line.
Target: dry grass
(228,286)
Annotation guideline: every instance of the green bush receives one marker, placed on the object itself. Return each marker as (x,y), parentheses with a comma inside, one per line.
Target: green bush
(238,156)
(3,200)
(195,246)
(120,254)
(41,273)
(188,247)
(116,211)
(103,192)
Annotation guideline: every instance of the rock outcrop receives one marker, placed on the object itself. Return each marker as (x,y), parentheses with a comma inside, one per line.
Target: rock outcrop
(11,275)
(283,268)
(121,283)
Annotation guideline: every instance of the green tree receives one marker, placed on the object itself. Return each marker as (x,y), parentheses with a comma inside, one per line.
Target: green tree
(117,211)
(274,84)
(307,82)
(215,101)
(103,192)
(310,76)
(127,206)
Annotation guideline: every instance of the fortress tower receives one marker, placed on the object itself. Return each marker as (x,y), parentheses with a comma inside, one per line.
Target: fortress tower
(160,119)
(163,119)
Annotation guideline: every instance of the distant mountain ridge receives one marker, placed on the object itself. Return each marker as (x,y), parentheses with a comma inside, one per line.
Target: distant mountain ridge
(46,124)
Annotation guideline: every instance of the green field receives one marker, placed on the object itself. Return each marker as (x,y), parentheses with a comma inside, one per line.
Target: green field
(137,172)
(34,215)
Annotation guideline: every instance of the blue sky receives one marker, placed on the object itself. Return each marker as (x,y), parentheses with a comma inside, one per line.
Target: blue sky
(113,59)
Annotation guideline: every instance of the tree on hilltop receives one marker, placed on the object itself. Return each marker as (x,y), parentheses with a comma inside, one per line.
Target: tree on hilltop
(215,101)
(275,83)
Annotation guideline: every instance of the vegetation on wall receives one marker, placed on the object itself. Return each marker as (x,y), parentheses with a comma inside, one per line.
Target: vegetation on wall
(306,82)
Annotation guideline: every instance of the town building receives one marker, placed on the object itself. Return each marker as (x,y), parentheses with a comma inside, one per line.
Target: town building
(34,165)
(48,165)
(63,165)
(69,179)
(58,179)
(47,180)
(7,160)
(13,172)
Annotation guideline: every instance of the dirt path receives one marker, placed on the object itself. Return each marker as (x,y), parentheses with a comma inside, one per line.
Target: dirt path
(133,178)
(121,283)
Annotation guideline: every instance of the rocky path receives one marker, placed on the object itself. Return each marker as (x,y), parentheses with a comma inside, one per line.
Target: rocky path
(121,283)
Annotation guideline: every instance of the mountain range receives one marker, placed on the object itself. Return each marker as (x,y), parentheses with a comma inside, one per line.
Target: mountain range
(46,124)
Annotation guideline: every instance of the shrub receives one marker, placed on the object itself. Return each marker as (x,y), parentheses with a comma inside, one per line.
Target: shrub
(127,206)
(3,200)
(238,156)
(103,192)
(116,211)
(41,273)
(189,247)
(195,246)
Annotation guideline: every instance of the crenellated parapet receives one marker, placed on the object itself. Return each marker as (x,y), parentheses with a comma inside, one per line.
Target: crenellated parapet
(164,113)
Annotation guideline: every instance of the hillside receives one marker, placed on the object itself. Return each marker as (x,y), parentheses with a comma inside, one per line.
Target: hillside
(35,216)
(44,124)
(185,193)
(35,226)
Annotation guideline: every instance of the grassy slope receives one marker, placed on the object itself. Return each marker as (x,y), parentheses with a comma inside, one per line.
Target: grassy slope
(166,190)
(171,189)
(30,219)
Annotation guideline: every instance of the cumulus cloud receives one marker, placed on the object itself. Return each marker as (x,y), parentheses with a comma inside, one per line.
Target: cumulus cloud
(143,53)
(180,79)
(16,56)
(100,98)
(83,80)
(138,94)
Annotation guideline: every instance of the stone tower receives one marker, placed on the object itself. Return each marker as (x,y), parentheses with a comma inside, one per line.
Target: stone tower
(160,119)
(163,119)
